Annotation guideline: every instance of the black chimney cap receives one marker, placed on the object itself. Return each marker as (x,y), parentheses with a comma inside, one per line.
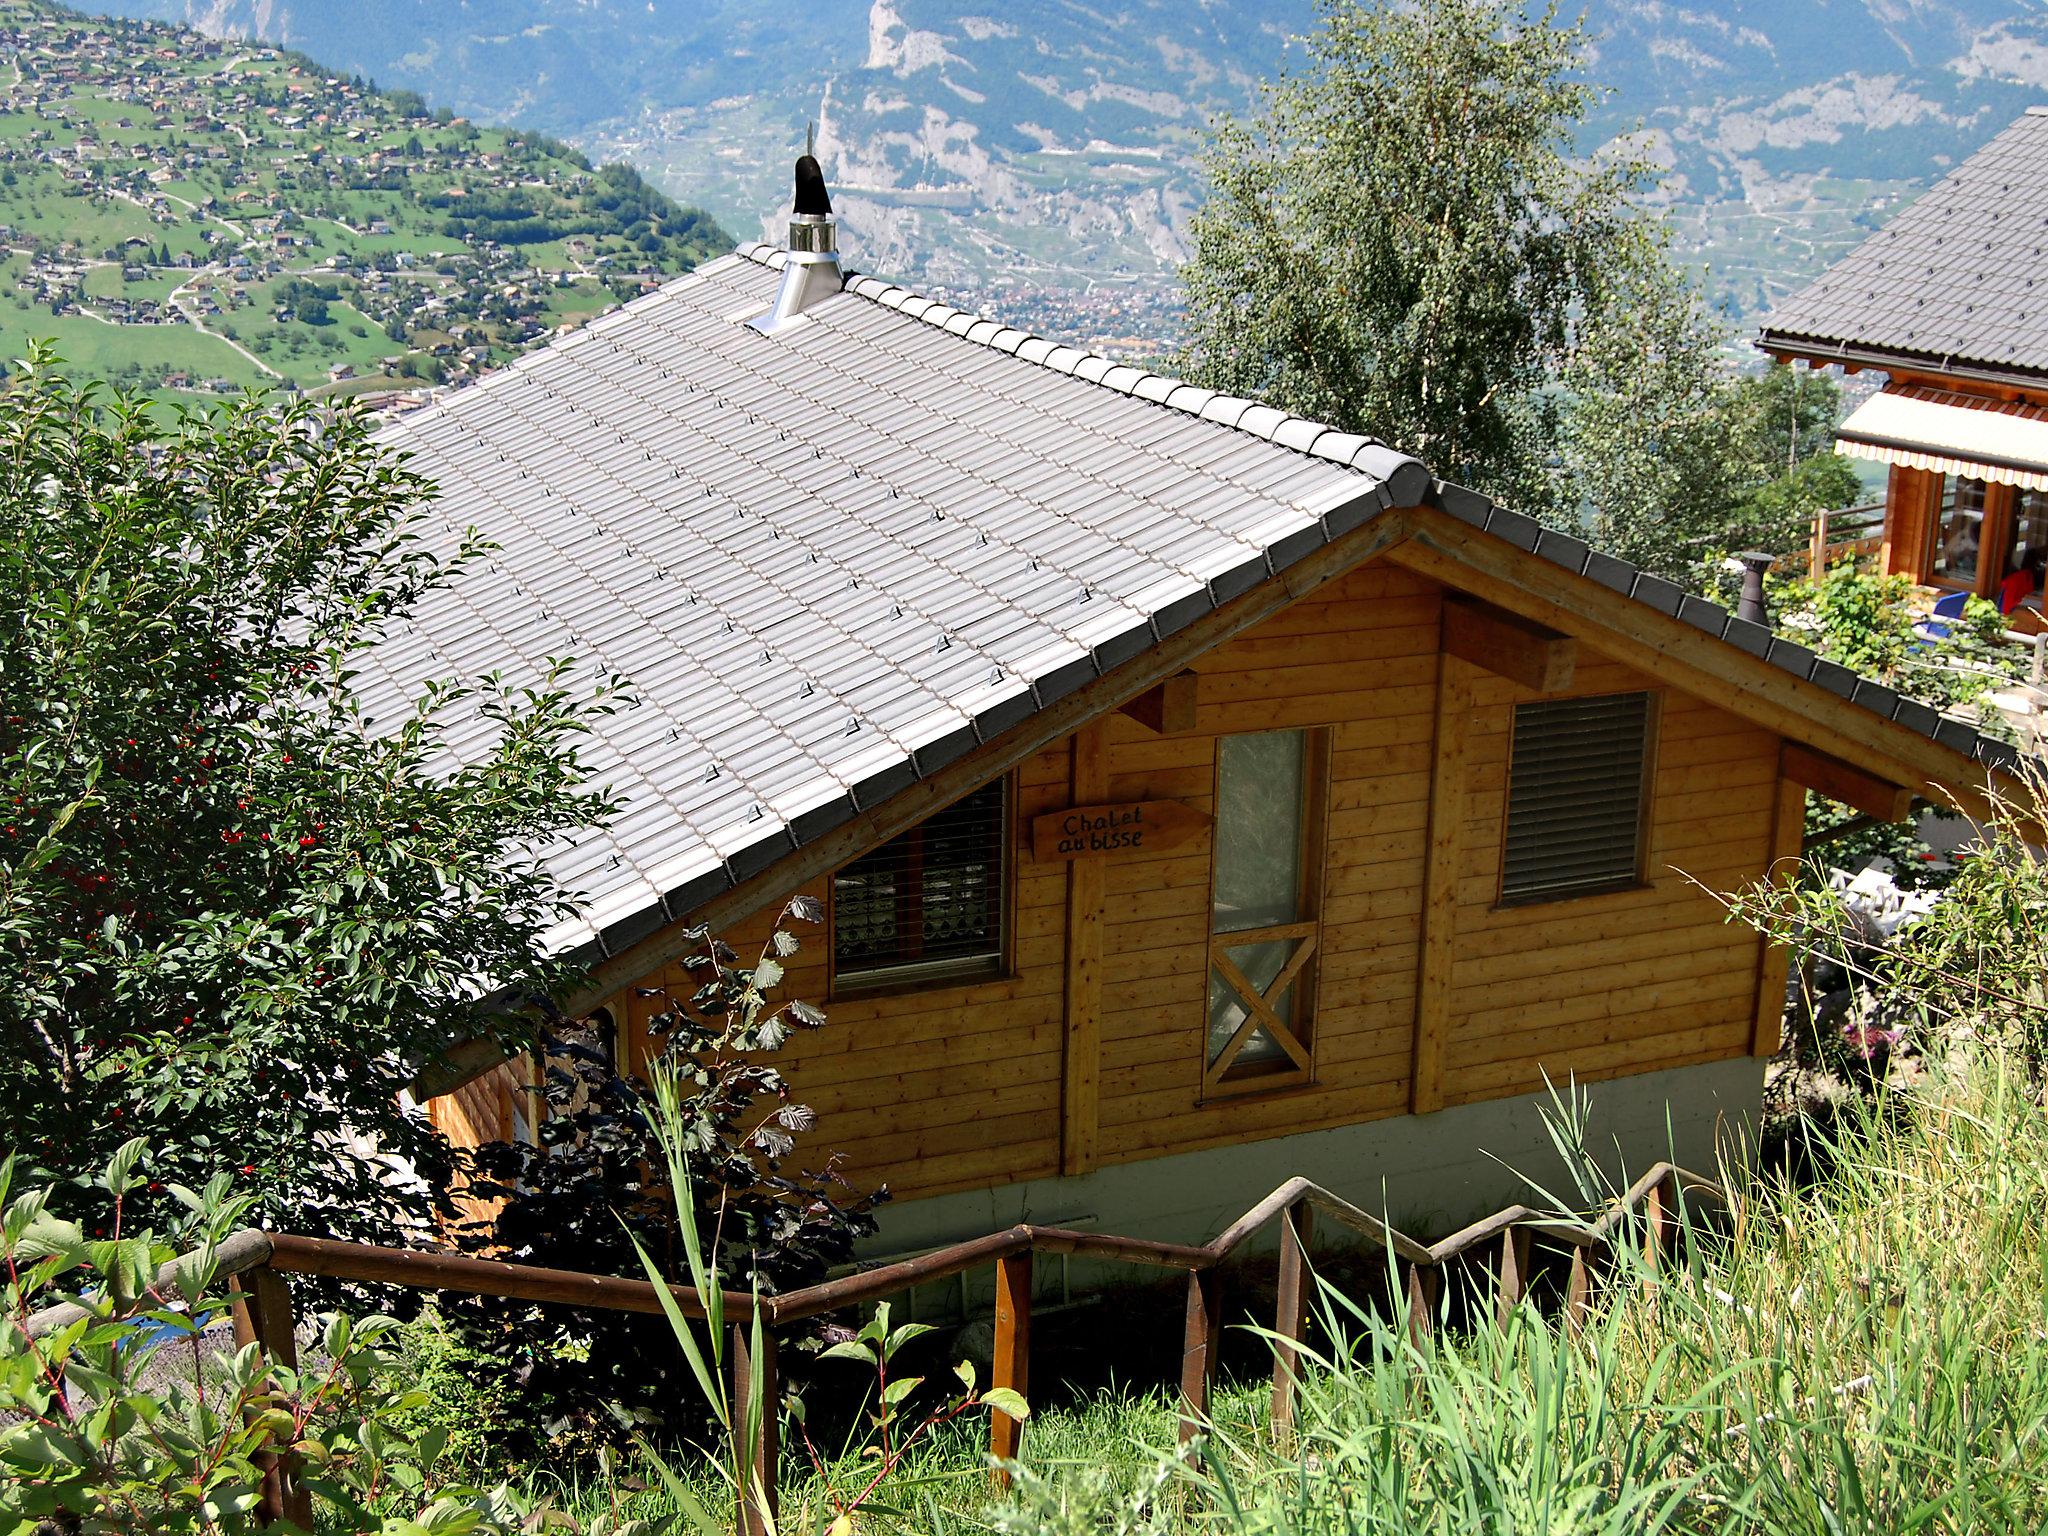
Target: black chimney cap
(811,196)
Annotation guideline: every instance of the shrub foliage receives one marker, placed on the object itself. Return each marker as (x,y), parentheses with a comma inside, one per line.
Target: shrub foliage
(235,913)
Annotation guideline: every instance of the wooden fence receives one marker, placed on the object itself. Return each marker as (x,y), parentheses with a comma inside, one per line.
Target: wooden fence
(1845,533)
(257,1263)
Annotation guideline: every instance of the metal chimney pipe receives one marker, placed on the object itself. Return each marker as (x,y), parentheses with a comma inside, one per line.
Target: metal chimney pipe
(811,263)
(1751,605)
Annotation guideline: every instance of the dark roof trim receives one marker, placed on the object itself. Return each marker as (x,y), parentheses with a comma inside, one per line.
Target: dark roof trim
(1752,638)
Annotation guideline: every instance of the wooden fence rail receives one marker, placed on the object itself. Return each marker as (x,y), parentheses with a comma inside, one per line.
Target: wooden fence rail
(257,1262)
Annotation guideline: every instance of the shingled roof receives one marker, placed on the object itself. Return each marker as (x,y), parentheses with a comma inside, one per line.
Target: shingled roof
(834,560)
(1957,281)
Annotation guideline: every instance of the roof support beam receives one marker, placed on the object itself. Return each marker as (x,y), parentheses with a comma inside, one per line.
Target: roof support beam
(1844,783)
(1166,707)
(1506,644)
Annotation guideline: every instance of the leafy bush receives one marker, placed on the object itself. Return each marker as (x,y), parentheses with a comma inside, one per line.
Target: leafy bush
(579,1198)
(120,1415)
(234,913)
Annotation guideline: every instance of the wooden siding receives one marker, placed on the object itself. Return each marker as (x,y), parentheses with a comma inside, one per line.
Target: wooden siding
(962,1086)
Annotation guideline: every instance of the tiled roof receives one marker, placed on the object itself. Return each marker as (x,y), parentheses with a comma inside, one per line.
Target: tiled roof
(1959,277)
(832,561)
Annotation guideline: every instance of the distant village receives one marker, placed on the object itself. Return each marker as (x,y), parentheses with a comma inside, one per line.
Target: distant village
(249,195)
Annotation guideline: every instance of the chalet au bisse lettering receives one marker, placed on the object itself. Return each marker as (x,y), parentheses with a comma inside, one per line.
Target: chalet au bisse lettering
(1105,830)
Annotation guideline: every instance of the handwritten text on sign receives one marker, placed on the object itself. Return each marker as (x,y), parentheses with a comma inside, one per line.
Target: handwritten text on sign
(1140,826)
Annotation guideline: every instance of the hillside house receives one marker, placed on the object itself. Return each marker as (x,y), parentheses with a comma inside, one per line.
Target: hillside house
(1196,795)
(1950,302)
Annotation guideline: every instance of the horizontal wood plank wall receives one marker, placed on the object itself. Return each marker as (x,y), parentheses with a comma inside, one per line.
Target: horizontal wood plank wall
(961,1087)
(1628,981)
(945,1088)
(1361,659)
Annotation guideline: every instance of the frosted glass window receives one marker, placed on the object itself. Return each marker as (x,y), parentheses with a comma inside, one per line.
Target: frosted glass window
(1259,790)
(1262,817)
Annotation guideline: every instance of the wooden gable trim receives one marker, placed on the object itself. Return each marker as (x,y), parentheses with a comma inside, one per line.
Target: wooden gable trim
(1690,659)
(906,809)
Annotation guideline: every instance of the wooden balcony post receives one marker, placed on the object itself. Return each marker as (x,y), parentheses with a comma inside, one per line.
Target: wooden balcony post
(262,1309)
(1290,1320)
(752,1380)
(1198,1350)
(1012,1367)
(1514,1273)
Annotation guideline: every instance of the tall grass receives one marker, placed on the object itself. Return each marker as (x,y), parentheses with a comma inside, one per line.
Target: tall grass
(1868,1355)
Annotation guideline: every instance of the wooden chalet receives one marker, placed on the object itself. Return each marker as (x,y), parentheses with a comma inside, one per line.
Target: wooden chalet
(1950,302)
(1197,795)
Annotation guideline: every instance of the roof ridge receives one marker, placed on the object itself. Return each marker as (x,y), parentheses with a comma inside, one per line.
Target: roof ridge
(1354,450)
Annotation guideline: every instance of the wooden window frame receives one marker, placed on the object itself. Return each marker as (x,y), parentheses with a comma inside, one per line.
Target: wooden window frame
(1646,818)
(894,981)
(1295,1035)
(1994,537)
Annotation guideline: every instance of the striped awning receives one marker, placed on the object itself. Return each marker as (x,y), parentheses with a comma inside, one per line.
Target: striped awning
(1951,434)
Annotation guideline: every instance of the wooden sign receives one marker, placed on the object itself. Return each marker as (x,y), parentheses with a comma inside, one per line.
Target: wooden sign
(1141,826)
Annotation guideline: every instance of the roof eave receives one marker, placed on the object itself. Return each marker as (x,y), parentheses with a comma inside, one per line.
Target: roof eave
(1785,345)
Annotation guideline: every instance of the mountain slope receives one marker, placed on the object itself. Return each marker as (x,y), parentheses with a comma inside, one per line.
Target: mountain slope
(1049,145)
(183,214)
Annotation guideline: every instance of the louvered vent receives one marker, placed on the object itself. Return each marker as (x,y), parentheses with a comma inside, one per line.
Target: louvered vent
(928,903)
(1576,786)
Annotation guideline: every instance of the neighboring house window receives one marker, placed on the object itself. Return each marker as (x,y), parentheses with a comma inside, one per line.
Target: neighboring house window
(1578,791)
(1959,531)
(1263,928)
(927,905)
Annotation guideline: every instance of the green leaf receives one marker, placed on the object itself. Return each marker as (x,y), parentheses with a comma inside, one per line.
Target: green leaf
(1007,1400)
(679,1490)
(899,1389)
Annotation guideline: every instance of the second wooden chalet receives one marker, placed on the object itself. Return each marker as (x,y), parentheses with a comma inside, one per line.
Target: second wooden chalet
(1197,795)
(1950,301)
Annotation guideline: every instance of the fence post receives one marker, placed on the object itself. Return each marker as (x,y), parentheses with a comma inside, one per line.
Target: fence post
(1290,1320)
(1578,1291)
(1817,557)
(1657,1221)
(1198,1349)
(1422,1293)
(262,1311)
(1012,1366)
(752,1380)
(1514,1273)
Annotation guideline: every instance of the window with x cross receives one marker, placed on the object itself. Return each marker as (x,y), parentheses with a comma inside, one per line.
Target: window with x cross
(1263,927)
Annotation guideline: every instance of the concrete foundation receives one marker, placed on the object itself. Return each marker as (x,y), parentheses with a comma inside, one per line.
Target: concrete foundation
(1428,1174)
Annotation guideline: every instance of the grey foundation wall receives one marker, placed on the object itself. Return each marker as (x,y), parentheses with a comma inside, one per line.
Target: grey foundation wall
(1428,1174)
